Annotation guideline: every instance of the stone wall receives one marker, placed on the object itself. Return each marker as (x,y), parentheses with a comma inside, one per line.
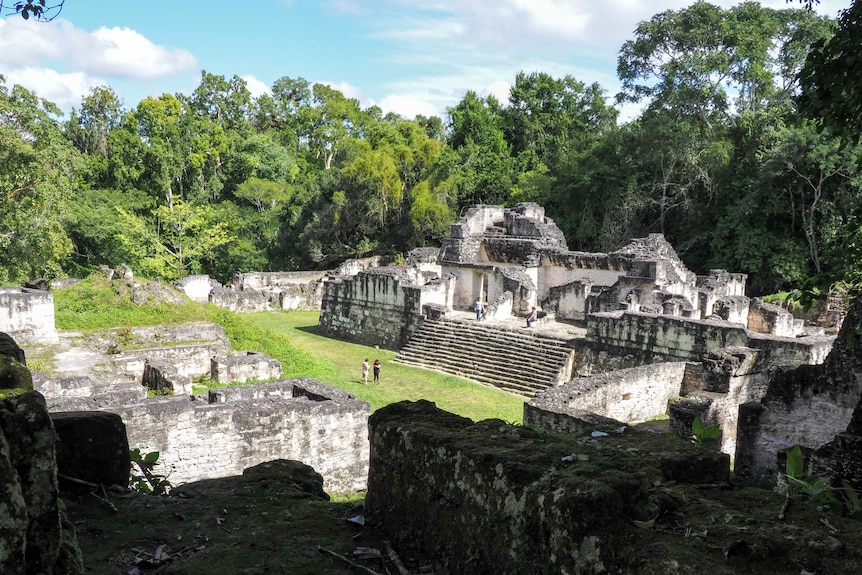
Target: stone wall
(627,339)
(27,315)
(489,498)
(300,290)
(627,395)
(378,307)
(769,318)
(807,406)
(161,376)
(299,419)
(244,366)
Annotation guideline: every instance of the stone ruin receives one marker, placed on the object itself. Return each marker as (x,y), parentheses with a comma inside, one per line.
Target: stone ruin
(27,315)
(657,339)
(269,291)
(654,337)
(517,258)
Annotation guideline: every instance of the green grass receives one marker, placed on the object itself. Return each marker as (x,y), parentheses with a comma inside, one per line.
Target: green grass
(290,337)
(397,382)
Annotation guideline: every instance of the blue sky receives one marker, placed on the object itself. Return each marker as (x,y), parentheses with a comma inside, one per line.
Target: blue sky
(406,56)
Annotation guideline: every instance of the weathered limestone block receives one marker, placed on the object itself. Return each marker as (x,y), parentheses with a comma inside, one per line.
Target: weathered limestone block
(28,315)
(770,318)
(628,395)
(164,376)
(490,498)
(105,395)
(92,446)
(245,366)
(9,348)
(32,540)
(733,308)
(240,301)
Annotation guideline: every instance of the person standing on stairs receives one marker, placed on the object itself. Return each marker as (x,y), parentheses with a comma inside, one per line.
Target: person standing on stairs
(479,308)
(365,372)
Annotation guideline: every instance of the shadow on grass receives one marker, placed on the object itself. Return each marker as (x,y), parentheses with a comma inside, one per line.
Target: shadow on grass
(312,329)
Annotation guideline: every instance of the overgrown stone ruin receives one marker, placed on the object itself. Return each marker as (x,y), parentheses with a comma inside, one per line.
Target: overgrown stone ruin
(622,338)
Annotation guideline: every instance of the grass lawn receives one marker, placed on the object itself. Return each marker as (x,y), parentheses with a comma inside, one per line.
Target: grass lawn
(340,365)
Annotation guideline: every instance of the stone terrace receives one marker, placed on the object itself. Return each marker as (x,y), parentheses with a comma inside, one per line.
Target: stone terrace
(502,354)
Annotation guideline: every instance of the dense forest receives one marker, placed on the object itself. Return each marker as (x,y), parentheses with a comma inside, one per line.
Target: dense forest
(726,158)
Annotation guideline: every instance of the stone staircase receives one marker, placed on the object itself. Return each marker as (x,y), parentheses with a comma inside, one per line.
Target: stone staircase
(518,360)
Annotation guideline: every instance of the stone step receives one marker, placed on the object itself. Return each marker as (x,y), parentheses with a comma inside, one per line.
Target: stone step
(523,363)
(454,364)
(525,390)
(469,350)
(492,343)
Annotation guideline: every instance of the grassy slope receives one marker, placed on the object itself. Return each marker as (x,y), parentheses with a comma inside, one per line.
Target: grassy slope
(397,382)
(291,337)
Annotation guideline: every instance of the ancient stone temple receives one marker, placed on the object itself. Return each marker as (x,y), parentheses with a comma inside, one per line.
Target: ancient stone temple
(515,259)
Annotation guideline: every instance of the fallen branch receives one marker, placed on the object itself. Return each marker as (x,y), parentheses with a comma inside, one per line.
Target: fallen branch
(106,500)
(395,559)
(78,481)
(346,560)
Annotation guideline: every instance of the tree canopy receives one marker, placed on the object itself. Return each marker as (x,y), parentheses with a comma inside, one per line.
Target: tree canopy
(737,162)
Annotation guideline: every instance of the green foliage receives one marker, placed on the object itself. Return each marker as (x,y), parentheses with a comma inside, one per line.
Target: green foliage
(704,436)
(175,243)
(143,477)
(816,489)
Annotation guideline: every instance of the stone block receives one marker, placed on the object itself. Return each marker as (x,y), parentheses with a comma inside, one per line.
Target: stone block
(92,446)
(442,484)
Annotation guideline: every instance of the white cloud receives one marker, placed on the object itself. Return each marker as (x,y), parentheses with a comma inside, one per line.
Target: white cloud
(123,52)
(255,86)
(407,106)
(346,88)
(499,89)
(65,90)
(117,52)
(61,62)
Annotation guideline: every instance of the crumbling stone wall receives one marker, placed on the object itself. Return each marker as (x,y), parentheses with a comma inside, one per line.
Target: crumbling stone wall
(244,366)
(161,376)
(490,498)
(627,395)
(299,419)
(628,339)
(27,315)
(724,380)
(378,307)
(807,406)
(770,318)
(83,393)
(285,290)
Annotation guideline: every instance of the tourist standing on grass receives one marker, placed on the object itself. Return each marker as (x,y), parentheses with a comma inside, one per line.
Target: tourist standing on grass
(478,308)
(365,372)
(376,371)
(534,315)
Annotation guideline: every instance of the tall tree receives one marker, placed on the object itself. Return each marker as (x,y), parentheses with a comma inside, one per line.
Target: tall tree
(37,174)
(548,119)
